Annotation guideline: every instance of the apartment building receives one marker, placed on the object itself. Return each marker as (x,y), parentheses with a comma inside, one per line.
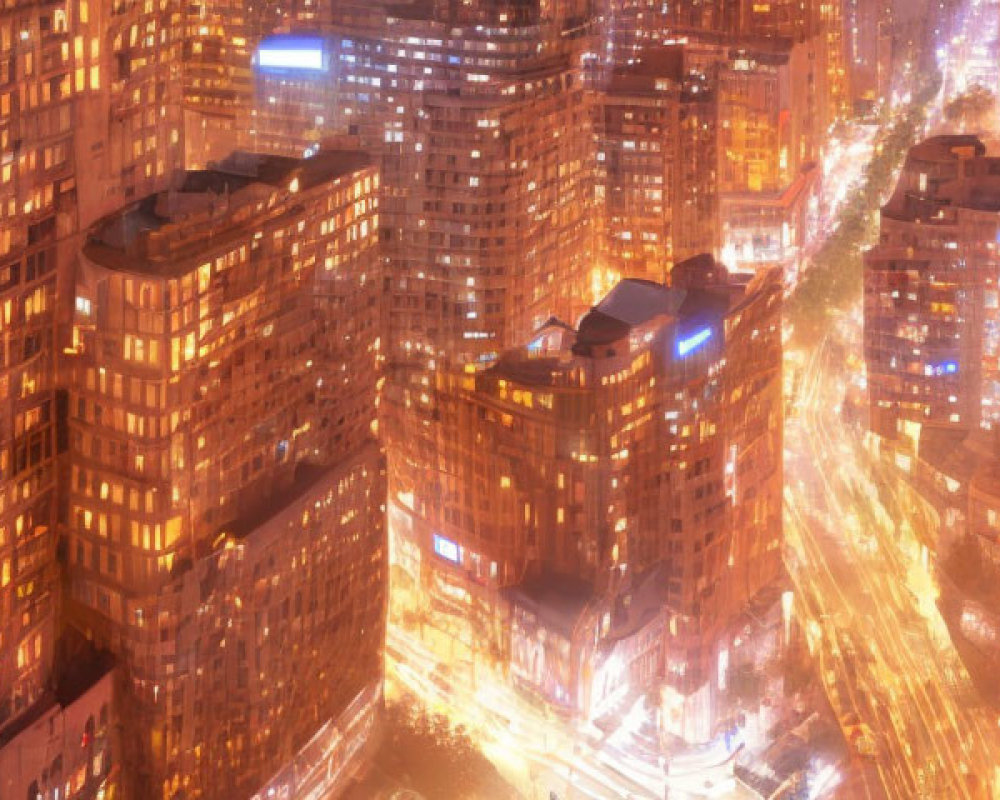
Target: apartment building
(42,73)
(128,127)
(479,120)
(771,101)
(212,424)
(868,50)
(656,124)
(555,483)
(931,295)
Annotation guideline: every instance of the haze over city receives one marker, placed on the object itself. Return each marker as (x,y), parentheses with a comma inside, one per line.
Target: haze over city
(499,400)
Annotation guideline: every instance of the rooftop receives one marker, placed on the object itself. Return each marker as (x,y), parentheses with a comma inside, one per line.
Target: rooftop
(944,173)
(701,292)
(557,601)
(144,237)
(700,286)
(946,147)
(660,62)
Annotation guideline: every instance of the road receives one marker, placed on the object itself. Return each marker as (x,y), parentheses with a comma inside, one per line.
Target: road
(865,599)
(539,752)
(533,750)
(864,596)
(859,549)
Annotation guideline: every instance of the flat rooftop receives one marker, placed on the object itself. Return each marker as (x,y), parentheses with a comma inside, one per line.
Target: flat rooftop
(158,234)
(700,290)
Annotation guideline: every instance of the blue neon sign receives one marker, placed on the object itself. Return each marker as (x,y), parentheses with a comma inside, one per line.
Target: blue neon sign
(447,549)
(693,342)
(945,368)
(292,53)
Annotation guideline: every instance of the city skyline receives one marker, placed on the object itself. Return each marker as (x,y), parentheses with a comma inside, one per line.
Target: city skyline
(499,399)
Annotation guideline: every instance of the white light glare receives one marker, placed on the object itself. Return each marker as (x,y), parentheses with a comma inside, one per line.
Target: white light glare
(292,58)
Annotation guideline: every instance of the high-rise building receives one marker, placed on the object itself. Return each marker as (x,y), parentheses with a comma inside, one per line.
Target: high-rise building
(43,69)
(771,95)
(932,326)
(224,504)
(57,715)
(646,441)
(128,135)
(479,118)
(774,74)
(656,167)
(868,51)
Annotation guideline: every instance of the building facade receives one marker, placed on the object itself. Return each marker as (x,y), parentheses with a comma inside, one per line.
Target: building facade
(931,336)
(221,380)
(128,128)
(649,438)
(69,748)
(656,125)
(43,74)
(868,27)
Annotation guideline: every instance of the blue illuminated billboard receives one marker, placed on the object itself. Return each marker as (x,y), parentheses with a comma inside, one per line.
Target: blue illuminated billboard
(945,368)
(691,343)
(447,549)
(292,54)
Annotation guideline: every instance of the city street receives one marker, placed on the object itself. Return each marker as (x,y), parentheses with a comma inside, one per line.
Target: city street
(540,753)
(535,752)
(865,600)
(859,550)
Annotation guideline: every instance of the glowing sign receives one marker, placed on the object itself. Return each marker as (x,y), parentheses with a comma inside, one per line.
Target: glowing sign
(693,342)
(945,368)
(730,473)
(447,549)
(292,53)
